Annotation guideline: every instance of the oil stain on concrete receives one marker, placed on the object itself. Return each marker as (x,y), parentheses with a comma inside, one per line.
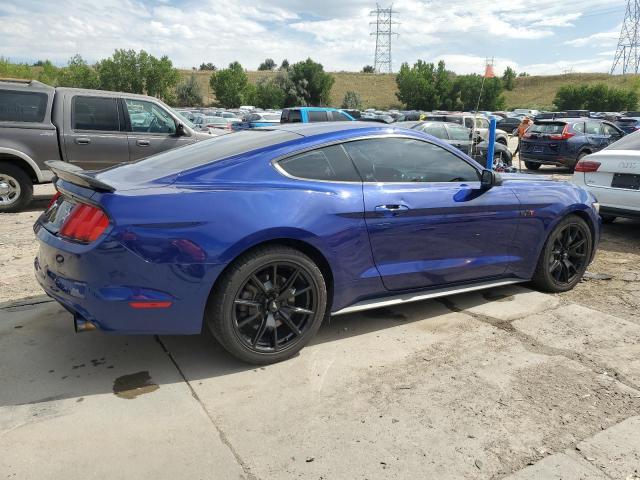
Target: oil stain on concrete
(134,385)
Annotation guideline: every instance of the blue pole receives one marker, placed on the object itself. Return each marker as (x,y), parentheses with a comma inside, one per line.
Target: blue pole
(492,143)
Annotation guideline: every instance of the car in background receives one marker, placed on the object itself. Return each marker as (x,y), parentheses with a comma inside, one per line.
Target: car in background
(265,233)
(210,123)
(479,123)
(258,119)
(509,124)
(314,114)
(613,176)
(564,142)
(526,112)
(628,124)
(461,138)
(229,115)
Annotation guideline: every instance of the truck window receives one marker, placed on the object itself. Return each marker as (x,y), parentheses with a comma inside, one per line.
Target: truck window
(295,116)
(95,113)
(16,106)
(147,117)
(339,117)
(317,116)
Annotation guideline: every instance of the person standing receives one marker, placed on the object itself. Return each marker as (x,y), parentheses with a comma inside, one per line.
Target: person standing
(522,129)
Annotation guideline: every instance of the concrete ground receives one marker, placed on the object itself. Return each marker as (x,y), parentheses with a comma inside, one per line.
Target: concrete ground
(510,383)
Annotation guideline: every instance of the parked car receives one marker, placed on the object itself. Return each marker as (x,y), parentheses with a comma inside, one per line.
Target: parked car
(313,114)
(90,128)
(290,224)
(613,176)
(461,138)
(208,124)
(531,113)
(563,142)
(509,124)
(254,120)
(477,122)
(628,124)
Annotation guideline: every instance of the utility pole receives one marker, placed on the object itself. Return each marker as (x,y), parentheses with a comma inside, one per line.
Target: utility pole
(627,53)
(384,32)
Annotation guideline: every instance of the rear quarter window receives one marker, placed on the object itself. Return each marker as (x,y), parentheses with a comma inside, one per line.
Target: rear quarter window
(317,116)
(325,164)
(18,106)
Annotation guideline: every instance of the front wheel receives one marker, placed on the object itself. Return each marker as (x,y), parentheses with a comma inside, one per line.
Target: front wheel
(532,165)
(565,256)
(267,305)
(16,188)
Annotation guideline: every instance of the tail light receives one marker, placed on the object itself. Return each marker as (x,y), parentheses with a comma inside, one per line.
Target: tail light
(53,200)
(85,223)
(565,135)
(587,166)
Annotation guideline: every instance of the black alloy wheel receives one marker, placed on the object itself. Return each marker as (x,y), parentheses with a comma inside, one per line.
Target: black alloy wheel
(267,305)
(565,256)
(274,306)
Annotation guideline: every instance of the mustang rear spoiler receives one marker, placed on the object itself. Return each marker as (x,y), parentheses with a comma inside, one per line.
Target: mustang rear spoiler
(77,176)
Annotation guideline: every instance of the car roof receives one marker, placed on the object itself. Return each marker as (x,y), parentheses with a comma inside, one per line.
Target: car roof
(25,85)
(314,109)
(319,128)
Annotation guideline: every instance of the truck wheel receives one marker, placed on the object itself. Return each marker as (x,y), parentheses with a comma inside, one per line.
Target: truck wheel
(532,165)
(16,188)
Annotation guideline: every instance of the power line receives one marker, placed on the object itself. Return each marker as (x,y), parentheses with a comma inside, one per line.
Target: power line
(384,32)
(627,51)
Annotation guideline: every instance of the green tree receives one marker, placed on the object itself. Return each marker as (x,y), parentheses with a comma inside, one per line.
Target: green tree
(443,87)
(78,74)
(509,78)
(312,83)
(351,101)
(129,71)
(188,92)
(284,65)
(596,98)
(417,86)
(471,91)
(207,67)
(230,85)
(268,64)
(269,94)
(49,73)
(368,69)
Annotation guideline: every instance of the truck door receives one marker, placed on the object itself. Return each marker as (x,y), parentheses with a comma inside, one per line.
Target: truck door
(151,129)
(94,134)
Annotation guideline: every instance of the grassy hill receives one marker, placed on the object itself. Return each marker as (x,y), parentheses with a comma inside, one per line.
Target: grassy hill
(379,91)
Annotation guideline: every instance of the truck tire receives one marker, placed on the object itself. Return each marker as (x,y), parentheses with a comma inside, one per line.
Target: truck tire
(532,165)
(16,188)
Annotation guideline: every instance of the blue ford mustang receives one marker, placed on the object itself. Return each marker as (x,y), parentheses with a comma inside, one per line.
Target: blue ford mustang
(262,234)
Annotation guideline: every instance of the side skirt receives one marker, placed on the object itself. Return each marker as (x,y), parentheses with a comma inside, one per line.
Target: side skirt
(424,295)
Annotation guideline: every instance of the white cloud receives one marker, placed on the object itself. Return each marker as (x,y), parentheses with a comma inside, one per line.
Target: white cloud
(600,39)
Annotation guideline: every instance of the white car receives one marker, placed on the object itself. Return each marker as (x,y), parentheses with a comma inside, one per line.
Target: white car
(613,176)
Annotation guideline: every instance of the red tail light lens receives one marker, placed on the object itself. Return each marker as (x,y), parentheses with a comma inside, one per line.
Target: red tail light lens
(587,166)
(85,223)
(53,200)
(565,135)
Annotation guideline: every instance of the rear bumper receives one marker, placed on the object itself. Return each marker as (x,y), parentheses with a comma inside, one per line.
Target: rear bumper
(558,160)
(98,284)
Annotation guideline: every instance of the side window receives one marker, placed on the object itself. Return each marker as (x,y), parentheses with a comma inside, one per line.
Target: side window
(592,128)
(317,116)
(437,130)
(95,113)
(578,127)
(468,122)
(284,117)
(295,116)
(459,133)
(338,117)
(610,131)
(482,123)
(148,117)
(18,106)
(407,160)
(328,163)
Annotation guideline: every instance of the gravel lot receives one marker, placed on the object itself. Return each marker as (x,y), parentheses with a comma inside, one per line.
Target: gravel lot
(510,383)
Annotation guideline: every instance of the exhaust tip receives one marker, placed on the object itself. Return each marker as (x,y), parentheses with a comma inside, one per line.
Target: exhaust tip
(81,325)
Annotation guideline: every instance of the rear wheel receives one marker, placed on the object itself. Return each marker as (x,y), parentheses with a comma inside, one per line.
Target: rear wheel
(16,188)
(532,165)
(565,256)
(268,305)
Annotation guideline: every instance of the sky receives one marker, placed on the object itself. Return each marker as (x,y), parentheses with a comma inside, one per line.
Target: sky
(537,37)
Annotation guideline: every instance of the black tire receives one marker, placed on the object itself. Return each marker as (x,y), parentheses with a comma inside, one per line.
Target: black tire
(246,289)
(502,141)
(16,189)
(532,165)
(608,219)
(570,241)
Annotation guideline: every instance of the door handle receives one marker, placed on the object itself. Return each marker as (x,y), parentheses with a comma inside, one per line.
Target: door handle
(142,143)
(392,209)
(83,140)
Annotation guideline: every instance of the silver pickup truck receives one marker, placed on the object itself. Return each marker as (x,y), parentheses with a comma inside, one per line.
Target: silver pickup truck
(92,129)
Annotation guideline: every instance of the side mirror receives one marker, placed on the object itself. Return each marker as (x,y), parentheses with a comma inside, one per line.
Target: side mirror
(180,130)
(489,179)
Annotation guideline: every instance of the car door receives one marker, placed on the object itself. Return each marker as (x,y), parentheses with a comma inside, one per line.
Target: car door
(429,222)
(594,135)
(150,129)
(94,133)
(610,134)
